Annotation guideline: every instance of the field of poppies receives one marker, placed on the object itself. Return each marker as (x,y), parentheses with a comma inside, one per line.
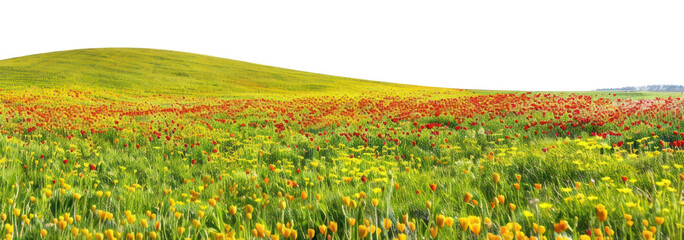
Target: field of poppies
(420,165)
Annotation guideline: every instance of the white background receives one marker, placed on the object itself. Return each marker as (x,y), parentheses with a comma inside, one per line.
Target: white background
(511,45)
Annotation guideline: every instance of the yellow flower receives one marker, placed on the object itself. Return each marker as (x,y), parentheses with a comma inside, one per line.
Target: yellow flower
(332,226)
(545,205)
(527,214)
(648,235)
(9,229)
(601,212)
(439,220)
(449,221)
(375,202)
(401,227)
(363,231)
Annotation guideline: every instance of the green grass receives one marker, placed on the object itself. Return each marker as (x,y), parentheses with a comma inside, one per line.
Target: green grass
(144,72)
(149,71)
(182,160)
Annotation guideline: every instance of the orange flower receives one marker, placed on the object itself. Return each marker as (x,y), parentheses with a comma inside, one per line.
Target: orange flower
(310,233)
(464,222)
(501,199)
(601,212)
(332,226)
(363,231)
(439,220)
(475,228)
(560,227)
(648,235)
(433,232)
(467,197)
(386,223)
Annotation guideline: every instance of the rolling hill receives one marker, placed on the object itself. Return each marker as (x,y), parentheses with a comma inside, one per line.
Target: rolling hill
(150,71)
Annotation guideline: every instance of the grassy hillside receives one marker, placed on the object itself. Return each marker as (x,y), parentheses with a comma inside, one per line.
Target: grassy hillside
(136,71)
(149,71)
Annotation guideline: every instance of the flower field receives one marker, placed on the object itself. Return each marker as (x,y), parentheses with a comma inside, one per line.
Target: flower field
(96,165)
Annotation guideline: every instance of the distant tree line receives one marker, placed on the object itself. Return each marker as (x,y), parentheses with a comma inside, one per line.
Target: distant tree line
(649,88)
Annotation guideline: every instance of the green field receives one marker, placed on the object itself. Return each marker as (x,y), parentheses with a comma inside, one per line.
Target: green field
(148,71)
(152,144)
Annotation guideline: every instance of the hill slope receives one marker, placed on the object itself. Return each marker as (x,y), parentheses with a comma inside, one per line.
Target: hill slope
(150,71)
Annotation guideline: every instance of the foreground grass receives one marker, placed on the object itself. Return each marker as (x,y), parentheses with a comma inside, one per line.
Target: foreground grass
(81,164)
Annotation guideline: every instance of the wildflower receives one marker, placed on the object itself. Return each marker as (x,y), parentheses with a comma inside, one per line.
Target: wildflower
(332,226)
(433,232)
(648,235)
(439,220)
(467,197)
(560,227)
(363,231)
(601,212)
